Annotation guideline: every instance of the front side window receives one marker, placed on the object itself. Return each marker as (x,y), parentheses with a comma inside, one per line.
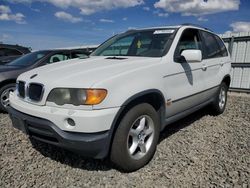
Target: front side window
(211,46)
(148,43)
(190,40)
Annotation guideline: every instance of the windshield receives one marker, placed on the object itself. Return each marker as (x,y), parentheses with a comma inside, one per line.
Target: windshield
(147,43)
(28,59)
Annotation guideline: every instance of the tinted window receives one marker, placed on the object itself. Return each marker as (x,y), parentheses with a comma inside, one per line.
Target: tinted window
(211,46)
(59,57)
(189,40)
(29,59)
(9,52)
(222,46)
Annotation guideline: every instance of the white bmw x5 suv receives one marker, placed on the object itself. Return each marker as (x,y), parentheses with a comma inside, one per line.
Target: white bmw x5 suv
(115,103)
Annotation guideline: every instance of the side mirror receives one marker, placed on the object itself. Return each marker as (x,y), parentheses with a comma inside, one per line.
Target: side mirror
(192,56)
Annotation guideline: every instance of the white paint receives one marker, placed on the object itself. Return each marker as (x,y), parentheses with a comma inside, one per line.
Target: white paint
(122,78)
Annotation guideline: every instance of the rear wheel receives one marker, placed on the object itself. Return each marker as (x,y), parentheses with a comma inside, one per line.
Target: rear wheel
(219,104)
(136,138)
(4,95)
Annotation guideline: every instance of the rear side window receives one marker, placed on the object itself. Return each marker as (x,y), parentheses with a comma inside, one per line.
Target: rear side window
(211,46)
(222,46)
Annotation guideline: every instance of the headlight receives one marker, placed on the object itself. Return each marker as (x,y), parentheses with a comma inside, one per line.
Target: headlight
(77,97)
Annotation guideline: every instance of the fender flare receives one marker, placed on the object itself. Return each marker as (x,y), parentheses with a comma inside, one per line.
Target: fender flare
(122,110)
(227,76)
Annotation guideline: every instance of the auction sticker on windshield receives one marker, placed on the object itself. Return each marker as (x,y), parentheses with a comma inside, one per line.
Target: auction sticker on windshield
(163,32)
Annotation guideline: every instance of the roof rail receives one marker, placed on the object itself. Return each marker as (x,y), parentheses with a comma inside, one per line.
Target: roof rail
(196,25)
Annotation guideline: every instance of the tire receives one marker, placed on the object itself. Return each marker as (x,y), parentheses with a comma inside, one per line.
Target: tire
(136,138)
(4,95)
(219,104)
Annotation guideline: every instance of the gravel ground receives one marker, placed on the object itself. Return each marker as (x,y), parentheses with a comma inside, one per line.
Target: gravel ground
(198,151)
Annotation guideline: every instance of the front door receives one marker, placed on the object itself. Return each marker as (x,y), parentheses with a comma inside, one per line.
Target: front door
(185,83)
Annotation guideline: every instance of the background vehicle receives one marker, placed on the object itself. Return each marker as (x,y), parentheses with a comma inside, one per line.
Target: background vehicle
(10,71)
(9,52)
(116,102)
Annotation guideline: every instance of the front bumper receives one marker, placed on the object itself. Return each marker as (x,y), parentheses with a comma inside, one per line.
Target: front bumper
(86,121)
(94,145)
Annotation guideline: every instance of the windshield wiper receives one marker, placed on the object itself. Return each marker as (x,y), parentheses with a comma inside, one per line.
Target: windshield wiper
(84,57)
(118,58)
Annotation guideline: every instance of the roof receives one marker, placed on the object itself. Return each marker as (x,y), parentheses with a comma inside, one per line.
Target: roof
(60,50)
(17,47)
(83,47)
(174,27)
(160,27)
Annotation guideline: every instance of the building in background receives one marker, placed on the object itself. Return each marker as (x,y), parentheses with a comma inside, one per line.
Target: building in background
(239,47)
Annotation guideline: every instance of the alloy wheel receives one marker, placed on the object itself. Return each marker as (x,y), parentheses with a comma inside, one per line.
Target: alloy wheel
(140,137)
(222,98)
(5,96)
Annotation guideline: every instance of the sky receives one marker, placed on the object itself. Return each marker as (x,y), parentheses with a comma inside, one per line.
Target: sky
(43,24)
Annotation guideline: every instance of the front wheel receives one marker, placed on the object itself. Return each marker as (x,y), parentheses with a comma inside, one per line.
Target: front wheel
(4,95)
(219,104)
(136,138)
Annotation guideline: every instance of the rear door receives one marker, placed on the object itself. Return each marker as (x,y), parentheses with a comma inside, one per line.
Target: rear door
(215,55)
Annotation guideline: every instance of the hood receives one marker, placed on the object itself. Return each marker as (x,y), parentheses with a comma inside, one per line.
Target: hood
(6,68)
(84,73)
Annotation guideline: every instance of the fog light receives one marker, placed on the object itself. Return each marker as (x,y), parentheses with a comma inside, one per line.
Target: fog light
(71,122)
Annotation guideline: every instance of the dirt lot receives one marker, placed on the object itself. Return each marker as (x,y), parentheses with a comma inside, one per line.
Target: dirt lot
(198,151)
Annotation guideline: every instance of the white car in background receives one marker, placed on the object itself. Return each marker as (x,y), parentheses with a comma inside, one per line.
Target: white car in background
(115,103)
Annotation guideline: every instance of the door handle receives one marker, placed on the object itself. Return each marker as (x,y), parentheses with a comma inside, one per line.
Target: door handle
(204,67)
